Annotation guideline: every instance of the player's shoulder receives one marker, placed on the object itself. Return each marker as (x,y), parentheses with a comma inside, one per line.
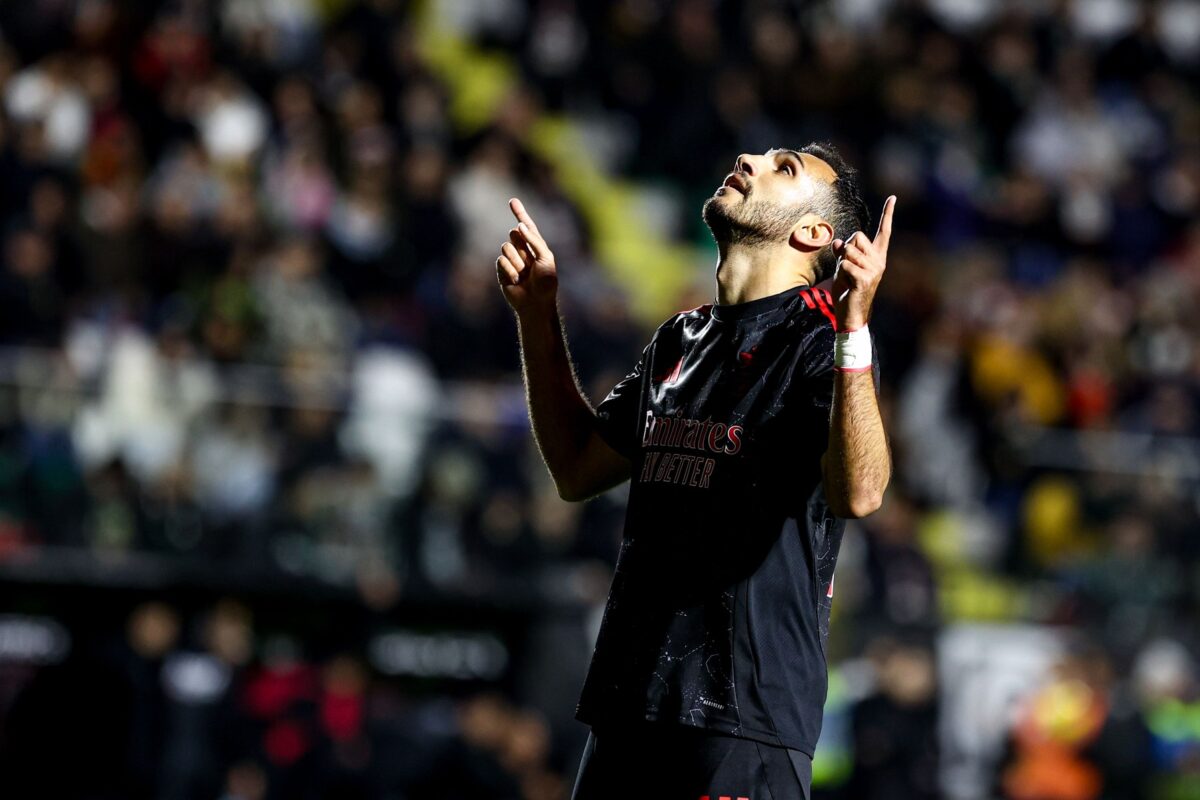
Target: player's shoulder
(814,312)
(816,328)
(701,312)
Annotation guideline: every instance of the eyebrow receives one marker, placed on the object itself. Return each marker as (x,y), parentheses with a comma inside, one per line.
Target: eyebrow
(794,153)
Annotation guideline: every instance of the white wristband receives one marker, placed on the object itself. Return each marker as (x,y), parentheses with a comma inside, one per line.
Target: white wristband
(852,350)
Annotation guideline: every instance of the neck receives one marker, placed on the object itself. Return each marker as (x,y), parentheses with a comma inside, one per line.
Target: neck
(748,272)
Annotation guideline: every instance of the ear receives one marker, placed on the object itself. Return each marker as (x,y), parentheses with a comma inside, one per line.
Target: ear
(811,234)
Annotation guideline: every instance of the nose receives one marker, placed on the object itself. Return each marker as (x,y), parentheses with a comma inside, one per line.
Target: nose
(743,163)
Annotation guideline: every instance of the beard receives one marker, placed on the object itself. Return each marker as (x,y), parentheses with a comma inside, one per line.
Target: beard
(750,221)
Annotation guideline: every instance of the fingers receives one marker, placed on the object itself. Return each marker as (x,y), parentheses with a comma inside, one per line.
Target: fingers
(854,271)
(884,234)
(524,242)
(857,251)
(507,273)
(518,210)
(533,240)
(855,243)
(515,256)
(511,262)
(528,230)
(515,248)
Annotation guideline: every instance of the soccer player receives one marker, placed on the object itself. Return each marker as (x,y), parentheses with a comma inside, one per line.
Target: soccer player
(750,430)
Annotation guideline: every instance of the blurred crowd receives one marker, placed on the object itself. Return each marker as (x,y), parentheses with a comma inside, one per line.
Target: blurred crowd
(249,319)
(187,703)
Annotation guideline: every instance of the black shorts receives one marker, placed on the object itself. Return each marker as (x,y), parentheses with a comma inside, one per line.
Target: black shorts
(667,761)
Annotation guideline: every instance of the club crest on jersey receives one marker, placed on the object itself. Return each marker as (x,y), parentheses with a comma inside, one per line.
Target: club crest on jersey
(671,375)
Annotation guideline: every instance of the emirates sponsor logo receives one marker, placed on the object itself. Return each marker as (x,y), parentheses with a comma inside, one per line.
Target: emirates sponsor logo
(691,434)
(682,433)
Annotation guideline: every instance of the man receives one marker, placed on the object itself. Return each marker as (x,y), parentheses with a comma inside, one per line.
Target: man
(750,430)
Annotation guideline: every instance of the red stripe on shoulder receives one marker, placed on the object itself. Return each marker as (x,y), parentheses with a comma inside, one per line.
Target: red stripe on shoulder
(808,301)
(824,301)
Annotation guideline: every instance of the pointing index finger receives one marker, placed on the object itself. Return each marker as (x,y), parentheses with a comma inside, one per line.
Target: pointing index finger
(518,210)
(884,234)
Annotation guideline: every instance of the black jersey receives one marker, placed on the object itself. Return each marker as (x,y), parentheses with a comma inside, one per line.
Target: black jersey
(719,606)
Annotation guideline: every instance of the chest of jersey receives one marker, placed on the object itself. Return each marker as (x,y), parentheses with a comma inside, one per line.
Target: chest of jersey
(719,407)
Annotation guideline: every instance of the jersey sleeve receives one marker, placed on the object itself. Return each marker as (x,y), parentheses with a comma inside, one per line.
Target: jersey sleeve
(817,394)
(616,415)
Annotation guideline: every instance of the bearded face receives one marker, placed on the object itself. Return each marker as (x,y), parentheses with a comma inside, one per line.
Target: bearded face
(736,218)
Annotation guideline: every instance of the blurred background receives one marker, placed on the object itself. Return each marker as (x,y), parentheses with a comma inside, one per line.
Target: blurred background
(272,520)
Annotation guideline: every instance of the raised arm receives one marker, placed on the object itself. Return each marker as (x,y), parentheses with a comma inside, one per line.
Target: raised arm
(857,464)
(564,424)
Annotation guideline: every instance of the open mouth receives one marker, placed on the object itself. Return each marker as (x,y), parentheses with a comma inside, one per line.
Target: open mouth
(735,182)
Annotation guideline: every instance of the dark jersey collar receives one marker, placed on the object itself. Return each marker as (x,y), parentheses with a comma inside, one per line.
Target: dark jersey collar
(755,308)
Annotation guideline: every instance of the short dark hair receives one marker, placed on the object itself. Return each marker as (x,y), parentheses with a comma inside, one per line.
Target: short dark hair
(843,205)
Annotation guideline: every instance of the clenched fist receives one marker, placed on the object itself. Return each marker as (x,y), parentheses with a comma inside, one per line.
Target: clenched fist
(525,269)
(861,263)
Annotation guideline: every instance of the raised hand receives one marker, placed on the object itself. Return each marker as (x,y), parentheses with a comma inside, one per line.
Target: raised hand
(861,262)
(525,269)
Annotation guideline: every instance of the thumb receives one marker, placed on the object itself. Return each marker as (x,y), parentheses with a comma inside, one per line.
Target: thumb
(841,285)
